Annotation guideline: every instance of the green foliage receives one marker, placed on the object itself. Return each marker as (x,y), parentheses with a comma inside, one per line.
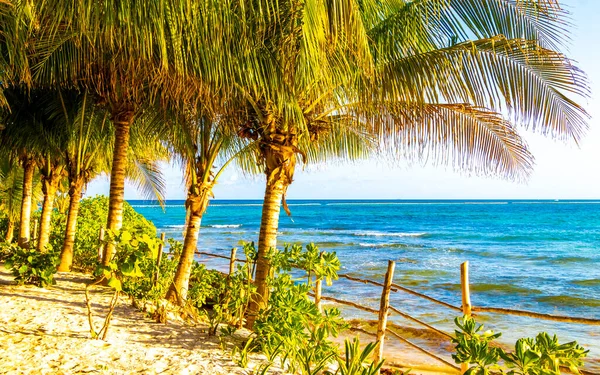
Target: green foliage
(6,250)
(123,271)
(540,356)
(474,347)
(92,216)
(132,252)
(240,355)
(292,326)
(355,361)
(29,266)
(228,295)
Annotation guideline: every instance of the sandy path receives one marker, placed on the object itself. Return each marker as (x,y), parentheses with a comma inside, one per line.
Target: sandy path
(45,331)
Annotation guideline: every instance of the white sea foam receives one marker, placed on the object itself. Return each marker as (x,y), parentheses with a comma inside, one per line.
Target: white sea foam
(389,234)
(157,205)
(225,226)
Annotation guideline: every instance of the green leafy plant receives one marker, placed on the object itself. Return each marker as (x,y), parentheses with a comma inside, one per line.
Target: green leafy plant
(30,266)
(473,346)
(132,251)
(240,354)
(355,361)
(292,327)
(85,254)
(540,356)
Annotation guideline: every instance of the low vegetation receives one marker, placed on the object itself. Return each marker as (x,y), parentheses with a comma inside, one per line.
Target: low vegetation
(542,355)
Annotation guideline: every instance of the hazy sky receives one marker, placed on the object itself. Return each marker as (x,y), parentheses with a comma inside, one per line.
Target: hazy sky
(562,170)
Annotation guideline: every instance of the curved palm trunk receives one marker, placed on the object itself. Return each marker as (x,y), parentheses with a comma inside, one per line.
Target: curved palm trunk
(280,163)
(49,188)
(178,290)
(24,226)
(114,223)
(66,255)
(196,207)
(10,231)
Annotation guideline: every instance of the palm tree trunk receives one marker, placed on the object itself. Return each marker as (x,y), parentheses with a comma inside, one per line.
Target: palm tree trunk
(267,240)
(24,226)
(10,231)
(178,291)
(122,122)
(66,255)
(49,188)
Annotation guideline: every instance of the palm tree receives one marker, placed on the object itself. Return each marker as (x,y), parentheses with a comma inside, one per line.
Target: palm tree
(11,183)
(128,55)
(87,141)
(21,120)
(201,145)
(426,78)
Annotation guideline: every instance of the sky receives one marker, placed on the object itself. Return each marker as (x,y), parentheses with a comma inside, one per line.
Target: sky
(561,171)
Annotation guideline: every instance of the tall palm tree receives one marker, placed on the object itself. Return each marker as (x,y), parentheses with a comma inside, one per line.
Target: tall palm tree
(201,144)
(86,144)
(127,54)
(447,79)
(21,120)
(11,183)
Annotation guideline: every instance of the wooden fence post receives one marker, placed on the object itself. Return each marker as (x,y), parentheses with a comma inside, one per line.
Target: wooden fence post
(232,261)
(161,247)
(383,310)
(466,300)
(100,244)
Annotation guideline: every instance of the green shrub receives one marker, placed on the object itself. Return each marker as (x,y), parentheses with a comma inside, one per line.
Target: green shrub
(540,356)
(355,361)
(132,250)
(292,326)
(143,288)
(29,266)
(92,216)
(6,250)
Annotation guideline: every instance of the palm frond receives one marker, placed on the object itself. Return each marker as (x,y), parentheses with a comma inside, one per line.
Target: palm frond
(466,137)
(517,76)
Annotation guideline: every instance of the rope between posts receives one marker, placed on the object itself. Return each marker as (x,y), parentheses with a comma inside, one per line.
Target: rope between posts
(355,305)
(405,315)
(556,318)
(422,350)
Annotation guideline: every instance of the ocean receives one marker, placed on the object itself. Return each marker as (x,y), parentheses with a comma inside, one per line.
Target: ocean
(535,255)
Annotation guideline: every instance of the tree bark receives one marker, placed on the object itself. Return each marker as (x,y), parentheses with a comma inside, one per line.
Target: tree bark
(49,187)
(196,205)
(24,227)
(66,255)
(280,161)
(10,231)
(178,290)
(267,239)
(122,122)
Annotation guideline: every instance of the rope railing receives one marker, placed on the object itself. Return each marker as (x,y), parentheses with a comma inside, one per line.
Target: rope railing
(465,308)
(396,288)
(531,314)
(405,315)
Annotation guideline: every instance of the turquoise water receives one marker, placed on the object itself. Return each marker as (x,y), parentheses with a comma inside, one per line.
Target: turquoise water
(531,255)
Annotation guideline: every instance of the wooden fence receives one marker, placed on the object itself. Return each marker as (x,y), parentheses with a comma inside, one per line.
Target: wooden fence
(385,309)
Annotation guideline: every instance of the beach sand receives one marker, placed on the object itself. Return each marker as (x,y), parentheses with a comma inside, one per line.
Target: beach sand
(45,331)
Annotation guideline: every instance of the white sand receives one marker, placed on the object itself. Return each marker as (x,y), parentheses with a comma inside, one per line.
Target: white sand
(45,331)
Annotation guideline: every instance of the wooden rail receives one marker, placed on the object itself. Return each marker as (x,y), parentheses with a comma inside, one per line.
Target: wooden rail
(556,318)
(465,308)
(405,315)
(422,350)
(348,303)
